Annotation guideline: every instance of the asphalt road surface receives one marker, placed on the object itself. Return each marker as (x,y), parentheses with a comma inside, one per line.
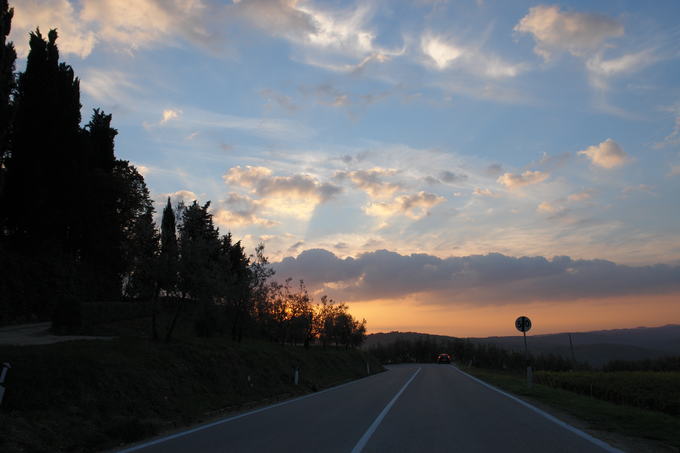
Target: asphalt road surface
(410,408)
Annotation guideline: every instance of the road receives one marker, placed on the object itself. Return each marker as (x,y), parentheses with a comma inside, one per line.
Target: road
(410,408)
(39,333)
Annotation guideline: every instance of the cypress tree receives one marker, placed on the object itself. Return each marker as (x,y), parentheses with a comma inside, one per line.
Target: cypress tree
(102,248)
(169,254)
(46,158)
(141,281)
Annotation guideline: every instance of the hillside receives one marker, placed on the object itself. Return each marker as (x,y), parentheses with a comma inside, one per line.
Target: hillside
(90,395)
(595,347)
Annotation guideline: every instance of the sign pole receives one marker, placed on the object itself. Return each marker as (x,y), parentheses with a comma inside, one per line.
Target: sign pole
(523,324)
(530,374)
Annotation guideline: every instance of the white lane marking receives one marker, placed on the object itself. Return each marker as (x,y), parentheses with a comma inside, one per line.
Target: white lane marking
(236,417)
(371,429)
(564,425)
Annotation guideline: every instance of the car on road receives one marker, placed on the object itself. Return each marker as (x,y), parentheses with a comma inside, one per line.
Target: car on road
(443,358)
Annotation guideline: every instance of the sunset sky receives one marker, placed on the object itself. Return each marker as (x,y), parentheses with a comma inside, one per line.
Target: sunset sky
(441,166)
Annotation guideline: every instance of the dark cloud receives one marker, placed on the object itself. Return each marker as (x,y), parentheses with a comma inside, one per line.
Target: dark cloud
(450,177)
(483,279)
(261,181)
(283,101)
(372,181)
(549,162)
(494,170)
(296,246)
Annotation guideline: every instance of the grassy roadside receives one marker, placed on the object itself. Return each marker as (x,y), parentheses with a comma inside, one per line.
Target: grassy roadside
(99,394)
(596,414)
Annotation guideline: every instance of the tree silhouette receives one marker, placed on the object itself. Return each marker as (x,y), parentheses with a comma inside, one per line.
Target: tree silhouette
(7,58)
(46,156)
(102,243)
(169,253)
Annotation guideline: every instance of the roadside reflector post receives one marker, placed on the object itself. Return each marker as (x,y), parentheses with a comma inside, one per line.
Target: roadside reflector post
(3,374)
(523,324)
(296,375)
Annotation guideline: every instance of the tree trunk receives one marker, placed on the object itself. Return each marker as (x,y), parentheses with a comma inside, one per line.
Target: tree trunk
(168,336)
(154,310)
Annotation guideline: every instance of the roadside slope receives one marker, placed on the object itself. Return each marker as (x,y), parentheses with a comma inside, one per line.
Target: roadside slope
(91,395)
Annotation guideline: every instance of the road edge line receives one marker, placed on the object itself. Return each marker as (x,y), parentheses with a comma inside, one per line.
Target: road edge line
(371,429)
(552,418)
(235,417)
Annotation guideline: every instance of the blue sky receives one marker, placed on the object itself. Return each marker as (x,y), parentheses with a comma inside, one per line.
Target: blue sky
(438,128)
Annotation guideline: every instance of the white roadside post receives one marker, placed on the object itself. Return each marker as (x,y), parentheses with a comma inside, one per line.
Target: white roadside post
(5,367)
(523,324)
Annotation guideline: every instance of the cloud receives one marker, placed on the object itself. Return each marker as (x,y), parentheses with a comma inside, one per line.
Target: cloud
(485,193)
(328,95)
(494,170)
(450,177)
(581,196)
(109,86)
(415,206)
(143,169)
(170,114)
(281,100)
(555,210)
(492,279)
(337,40)
(239,211)
(198,120)
(296,246)
(607,154)
(548,207)
(167,116)
(552,162)
(442,54)
(261,182)
(371,181)
(74,36)
(675,170)
(639,188)
(277,17)
(624,64)
(600,69)
(128,25)
(673,138)
(556,31)
(144,23)
(513,181)
(180,196)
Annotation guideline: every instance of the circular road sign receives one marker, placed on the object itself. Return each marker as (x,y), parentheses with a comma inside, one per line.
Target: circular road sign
(523,324)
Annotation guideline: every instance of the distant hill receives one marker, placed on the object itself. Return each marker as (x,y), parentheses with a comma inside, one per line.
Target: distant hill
(596,347)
